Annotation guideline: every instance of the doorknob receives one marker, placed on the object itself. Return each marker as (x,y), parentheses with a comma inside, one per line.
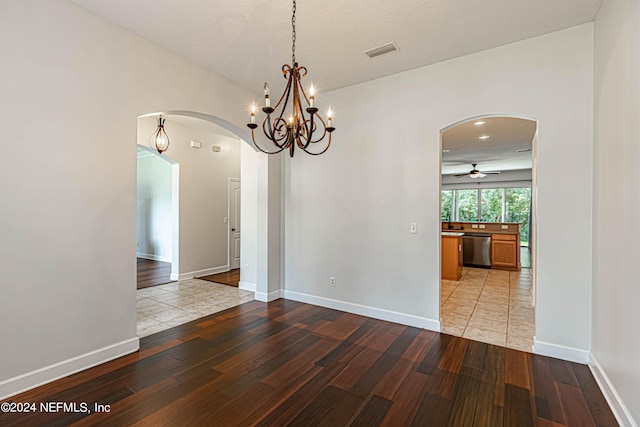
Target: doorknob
(233,229)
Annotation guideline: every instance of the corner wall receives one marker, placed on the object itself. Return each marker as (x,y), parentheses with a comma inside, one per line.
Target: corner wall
(615,337)
(73,87)
(154,218)
(348,211)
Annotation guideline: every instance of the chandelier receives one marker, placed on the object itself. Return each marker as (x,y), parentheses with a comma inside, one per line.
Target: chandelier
(298,129)
(159,140)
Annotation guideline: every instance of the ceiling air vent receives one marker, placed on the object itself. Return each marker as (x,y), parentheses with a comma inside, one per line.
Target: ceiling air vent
(382,50)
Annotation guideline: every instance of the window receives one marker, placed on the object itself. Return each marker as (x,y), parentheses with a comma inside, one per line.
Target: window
(466,205)
(518,203)
(489,205)
(447,205)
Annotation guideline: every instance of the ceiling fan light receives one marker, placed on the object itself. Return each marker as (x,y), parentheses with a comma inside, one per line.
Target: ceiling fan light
(474,175)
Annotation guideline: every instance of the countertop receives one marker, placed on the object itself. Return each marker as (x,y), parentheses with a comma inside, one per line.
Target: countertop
(477,230)
(451,234)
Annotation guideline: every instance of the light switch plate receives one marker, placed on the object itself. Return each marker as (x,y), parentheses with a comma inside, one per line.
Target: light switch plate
(505,227)
(474,225)
(413,229)
(481,225)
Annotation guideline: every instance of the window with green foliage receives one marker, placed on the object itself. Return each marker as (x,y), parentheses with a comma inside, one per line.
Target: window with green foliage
(466,205)
(518,203)
(447,205)
(489,205)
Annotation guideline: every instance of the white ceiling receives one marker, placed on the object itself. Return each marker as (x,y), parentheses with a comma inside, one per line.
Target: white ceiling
(497,153)
(248,41)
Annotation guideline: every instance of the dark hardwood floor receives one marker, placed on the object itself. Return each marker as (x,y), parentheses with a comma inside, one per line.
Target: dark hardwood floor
(152,273)
(231,277)
(288,363)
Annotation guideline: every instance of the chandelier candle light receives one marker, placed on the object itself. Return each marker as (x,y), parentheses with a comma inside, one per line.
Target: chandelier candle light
(299,129)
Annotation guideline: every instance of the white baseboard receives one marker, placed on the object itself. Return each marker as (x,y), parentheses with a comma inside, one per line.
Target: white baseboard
(247,286)
(208,271)
(561,352)
(154,257)
(33,379)
(271,296)
(363,310)
(619,409)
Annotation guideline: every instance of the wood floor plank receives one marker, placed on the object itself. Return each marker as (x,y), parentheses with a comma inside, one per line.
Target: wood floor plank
(517,407)
(407,401)
(489,411)
(152,273)
(574,406)
(282,363)
(230,278)
(597,403)
(544,390)
(517,371)
(373,413)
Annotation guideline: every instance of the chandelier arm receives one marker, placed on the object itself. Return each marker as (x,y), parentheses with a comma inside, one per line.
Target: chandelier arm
(253,137)
(321,152)
(324,130)
(278,125)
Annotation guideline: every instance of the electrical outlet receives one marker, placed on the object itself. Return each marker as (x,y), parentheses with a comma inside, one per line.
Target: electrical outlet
(481,225)
(246,267)
(505,227)
(225,220)
(413,228)
(474,225)
(332,281)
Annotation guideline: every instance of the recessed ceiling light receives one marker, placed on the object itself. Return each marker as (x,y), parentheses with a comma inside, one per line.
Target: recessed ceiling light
(483,137)
(445,151)
(479,123)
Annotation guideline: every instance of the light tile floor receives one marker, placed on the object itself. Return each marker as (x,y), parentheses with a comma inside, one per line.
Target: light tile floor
(165,306)
(491,306)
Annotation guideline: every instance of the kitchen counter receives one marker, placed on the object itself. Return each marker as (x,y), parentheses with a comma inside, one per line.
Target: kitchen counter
(451,256)
(451,234)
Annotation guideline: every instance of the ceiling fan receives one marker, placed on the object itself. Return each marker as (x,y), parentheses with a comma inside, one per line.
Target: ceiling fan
(475,173)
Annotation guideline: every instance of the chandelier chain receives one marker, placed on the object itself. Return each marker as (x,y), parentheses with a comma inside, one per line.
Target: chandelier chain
(293,34)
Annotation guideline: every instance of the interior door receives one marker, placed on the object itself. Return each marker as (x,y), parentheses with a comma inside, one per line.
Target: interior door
(234,223)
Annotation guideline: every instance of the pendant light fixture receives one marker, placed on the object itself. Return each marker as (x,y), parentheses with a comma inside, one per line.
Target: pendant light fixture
(159,140)
(290,126)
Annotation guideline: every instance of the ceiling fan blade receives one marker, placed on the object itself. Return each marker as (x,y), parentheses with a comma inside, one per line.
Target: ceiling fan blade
(491,173)
(461,175)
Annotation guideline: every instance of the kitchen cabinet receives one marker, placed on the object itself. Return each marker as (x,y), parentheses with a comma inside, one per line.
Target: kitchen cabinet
(505,251)
(451,256)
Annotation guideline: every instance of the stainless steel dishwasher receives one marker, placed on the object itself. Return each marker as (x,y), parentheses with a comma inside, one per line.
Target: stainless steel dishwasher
(476,249)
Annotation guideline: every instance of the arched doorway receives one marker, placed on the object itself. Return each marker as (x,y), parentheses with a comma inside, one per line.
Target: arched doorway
(488,200)
(195,220)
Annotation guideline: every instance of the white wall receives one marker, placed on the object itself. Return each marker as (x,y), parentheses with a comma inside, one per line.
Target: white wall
(615,337)
(348,211)
(153,213)
(72,88)
(204,192)
(248,216)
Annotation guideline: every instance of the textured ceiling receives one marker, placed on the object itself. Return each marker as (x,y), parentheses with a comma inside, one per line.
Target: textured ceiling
(248,41)
(497,153)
